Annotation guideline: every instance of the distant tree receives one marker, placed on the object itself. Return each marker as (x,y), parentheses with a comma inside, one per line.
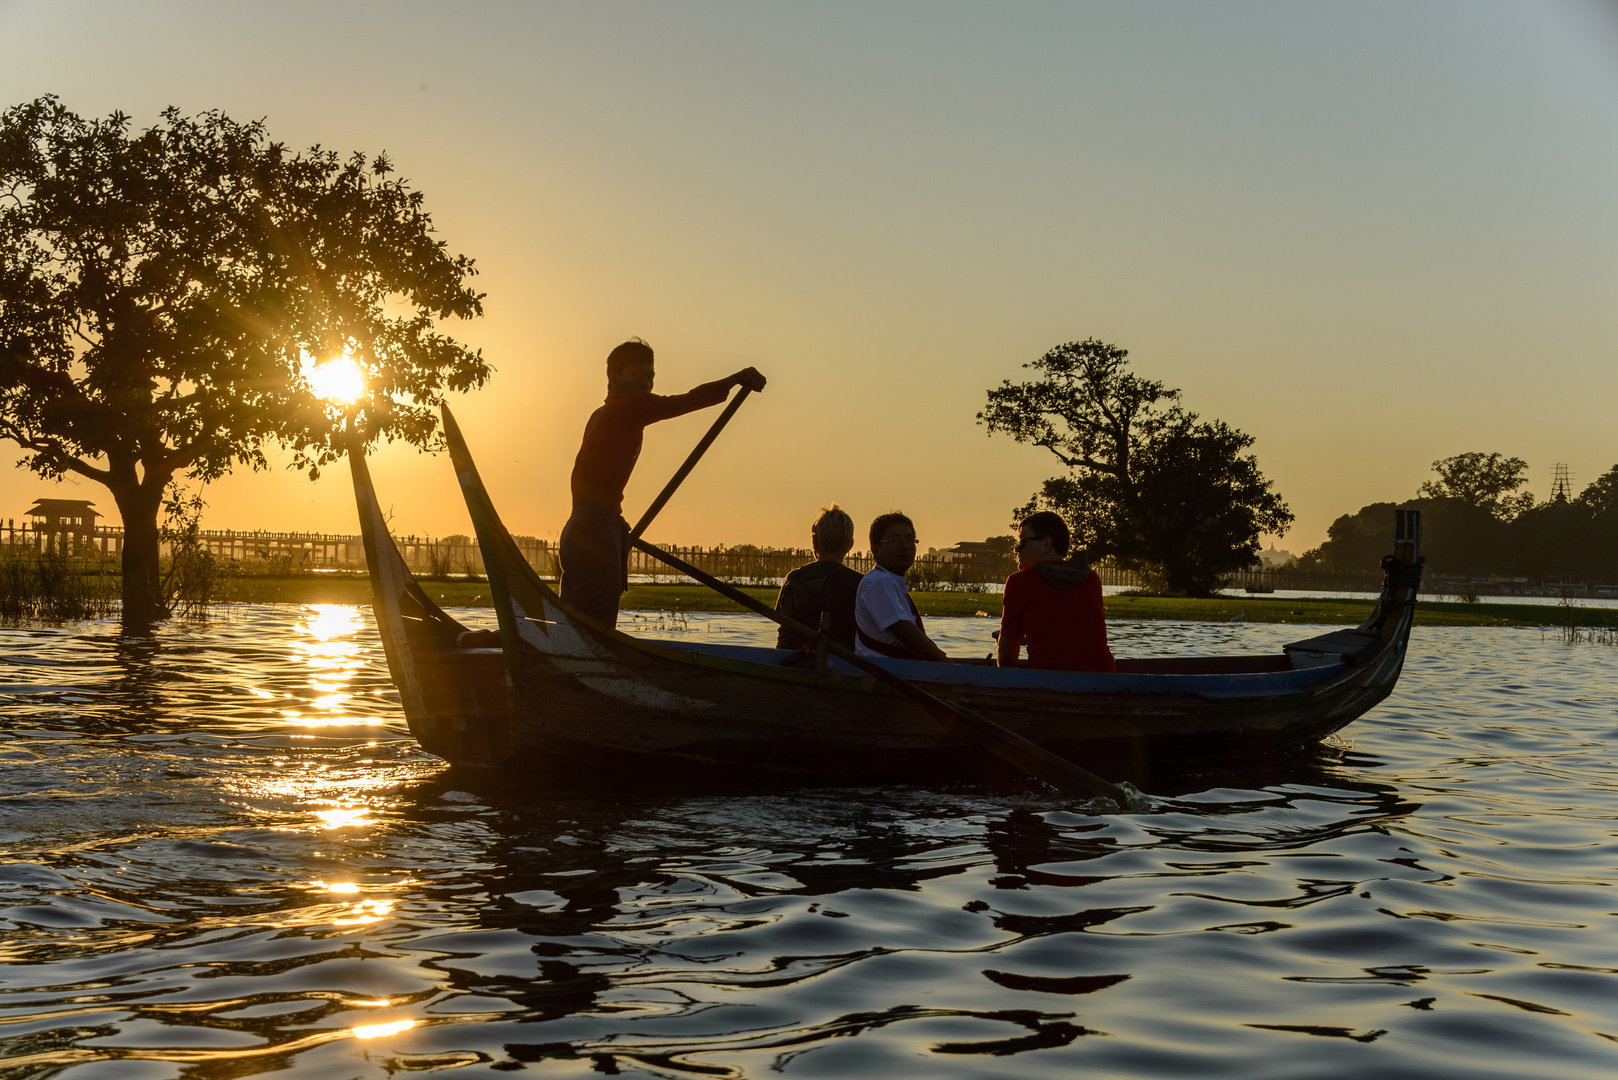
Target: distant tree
(1354,541)
(1485,481)
(1162,492)
(162,290)
(1456,537)
(1600,498)
(1463,532)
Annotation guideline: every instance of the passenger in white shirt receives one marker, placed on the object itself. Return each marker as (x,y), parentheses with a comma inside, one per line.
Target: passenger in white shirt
(886,622)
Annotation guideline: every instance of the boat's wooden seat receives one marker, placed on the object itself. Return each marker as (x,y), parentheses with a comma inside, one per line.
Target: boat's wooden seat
(1346,645)
(1202,665)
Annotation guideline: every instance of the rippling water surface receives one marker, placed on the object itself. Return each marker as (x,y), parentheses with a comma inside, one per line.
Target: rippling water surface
(222,855)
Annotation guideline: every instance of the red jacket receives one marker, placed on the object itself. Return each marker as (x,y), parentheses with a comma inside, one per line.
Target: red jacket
(1063,625)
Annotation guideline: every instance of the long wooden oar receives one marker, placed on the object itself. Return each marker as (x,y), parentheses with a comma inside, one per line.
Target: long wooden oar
(690,463)
(1032,758)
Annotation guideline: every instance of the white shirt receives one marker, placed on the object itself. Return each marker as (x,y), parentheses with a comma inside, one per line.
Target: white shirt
(883,599)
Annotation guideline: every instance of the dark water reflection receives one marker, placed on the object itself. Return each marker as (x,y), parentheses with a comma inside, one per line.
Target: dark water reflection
(223,856)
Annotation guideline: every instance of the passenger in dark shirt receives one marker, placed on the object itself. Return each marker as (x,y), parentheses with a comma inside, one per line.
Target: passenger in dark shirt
(823,586)
(595,541)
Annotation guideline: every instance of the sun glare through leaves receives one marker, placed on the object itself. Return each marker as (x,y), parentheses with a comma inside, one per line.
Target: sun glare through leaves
(339,380)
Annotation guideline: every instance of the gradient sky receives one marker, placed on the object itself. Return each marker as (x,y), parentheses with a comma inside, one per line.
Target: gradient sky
(1369,234)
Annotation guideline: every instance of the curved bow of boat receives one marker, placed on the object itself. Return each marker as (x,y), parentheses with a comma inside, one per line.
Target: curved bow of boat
(451,683)
(1374,651)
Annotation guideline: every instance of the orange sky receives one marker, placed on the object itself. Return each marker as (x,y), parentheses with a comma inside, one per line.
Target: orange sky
(1370,235)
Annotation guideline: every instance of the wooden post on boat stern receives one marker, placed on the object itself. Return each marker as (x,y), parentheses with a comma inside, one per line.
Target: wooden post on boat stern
(1029,756)
(1406,534)
(1403,573)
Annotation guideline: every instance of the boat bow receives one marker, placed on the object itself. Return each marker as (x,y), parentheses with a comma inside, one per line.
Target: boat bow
(451,685)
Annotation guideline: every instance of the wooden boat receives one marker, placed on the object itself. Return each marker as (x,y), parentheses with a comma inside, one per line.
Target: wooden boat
(559,689)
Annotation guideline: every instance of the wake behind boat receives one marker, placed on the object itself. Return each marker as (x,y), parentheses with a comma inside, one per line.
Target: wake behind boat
(576,691)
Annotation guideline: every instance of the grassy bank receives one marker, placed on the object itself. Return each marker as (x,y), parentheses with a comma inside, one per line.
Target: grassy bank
(345,589)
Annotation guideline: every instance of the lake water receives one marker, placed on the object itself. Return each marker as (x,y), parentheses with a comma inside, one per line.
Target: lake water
(221,855)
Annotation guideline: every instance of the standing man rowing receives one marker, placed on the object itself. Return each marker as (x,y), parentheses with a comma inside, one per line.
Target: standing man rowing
(595,540)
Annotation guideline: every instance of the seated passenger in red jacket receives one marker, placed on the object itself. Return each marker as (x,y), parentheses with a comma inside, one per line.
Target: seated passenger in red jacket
(1053,605)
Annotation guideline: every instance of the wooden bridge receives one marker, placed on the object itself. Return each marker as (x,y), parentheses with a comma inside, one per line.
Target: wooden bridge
(458,556)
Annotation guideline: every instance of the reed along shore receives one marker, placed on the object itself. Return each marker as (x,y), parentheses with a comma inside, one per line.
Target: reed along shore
(354,589)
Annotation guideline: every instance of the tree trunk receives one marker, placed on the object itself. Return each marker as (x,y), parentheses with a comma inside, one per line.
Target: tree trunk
(1183,579)
(143,600)
(1179,577)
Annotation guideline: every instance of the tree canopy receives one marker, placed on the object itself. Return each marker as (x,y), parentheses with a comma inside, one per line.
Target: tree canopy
(1600,498)
(1484,481)
(164,291)
(1159,490)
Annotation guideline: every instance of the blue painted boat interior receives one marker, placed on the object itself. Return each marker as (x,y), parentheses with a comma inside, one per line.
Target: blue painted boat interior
(1070,682)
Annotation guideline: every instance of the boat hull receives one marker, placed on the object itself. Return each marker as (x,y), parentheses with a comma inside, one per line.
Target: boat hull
(581,694)
(565,693)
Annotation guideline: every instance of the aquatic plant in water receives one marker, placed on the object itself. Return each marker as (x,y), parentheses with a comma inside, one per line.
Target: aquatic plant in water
(55,586)
(1572,631)
(193,577)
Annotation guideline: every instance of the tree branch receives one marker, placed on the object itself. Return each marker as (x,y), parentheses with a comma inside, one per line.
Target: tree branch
(101,476)
(53,453)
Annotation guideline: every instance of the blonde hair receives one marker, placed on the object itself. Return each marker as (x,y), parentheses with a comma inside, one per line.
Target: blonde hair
(833,531)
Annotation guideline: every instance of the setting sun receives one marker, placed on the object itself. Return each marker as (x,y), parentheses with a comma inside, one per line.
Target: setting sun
(339,380)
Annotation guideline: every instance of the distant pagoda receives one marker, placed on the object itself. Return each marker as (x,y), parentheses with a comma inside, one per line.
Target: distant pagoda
(65,518)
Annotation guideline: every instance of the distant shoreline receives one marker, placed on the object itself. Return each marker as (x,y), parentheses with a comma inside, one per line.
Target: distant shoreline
(345,589)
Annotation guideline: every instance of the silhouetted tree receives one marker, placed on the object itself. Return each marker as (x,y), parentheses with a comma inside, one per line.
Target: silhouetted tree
(1485,481)
(1162,492)
(1456,537)
(1467,532)
(1354,541)
(162,290)
(1600,497)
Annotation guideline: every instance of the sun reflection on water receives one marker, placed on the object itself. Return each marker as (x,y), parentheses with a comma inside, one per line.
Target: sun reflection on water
(376,1031)
(359,913)
(341,817)
(327,643)
(365,911)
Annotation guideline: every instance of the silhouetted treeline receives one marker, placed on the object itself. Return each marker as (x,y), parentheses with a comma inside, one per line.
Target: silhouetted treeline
(1565,539)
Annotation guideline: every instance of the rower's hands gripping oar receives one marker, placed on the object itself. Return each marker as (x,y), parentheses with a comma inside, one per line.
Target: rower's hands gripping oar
(1029,756)
(749,380)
